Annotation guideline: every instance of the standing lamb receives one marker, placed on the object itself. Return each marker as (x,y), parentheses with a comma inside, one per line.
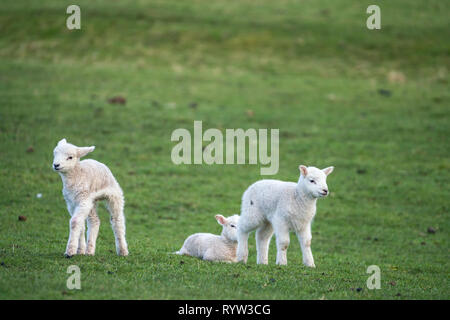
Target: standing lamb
(84,183)
(212,247)
(276,206)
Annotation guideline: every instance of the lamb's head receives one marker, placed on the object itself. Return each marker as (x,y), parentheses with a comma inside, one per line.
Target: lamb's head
(66,155)
(229,225)
(313,181)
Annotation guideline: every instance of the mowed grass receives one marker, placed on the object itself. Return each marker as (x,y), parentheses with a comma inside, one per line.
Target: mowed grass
(375,104)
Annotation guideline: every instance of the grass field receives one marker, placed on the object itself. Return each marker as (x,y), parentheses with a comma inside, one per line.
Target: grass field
(375,104)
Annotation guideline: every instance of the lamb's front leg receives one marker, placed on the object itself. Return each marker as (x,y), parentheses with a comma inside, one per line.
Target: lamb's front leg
(282,246)
(93,226)
(304,237)
(77,222)
(82,240)
(281,229)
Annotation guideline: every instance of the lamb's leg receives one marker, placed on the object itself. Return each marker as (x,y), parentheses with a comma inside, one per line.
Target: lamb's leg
(82,240)
(249,221)
(304,237)
(81,247)
(77,222)
(282,237)
(70,208)
(242,249)
(263,237)
(115,207)
(93,226)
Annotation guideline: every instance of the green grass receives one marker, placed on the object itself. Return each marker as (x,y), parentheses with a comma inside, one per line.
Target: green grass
(308,68)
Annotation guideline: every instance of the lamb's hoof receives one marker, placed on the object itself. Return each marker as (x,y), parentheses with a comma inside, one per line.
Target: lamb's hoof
(240,259)
(123,253)
(90,251)
(68,256)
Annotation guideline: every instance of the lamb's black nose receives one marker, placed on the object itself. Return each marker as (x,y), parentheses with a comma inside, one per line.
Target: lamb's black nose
(56,165)
(325,191)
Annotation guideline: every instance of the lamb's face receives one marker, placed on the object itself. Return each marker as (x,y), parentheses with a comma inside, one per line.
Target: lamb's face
(229,225)
(314,181)
(66,156)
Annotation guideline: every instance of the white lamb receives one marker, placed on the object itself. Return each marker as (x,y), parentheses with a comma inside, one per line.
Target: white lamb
(84,183)
(276,206)
(212,247)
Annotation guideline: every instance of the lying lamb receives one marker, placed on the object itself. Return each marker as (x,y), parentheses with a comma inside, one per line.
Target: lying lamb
(276,206)
(84,183)
(212,247)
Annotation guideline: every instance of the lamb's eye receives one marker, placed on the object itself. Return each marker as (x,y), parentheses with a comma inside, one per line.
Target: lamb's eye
(312,181)
(232,225)
(69,158)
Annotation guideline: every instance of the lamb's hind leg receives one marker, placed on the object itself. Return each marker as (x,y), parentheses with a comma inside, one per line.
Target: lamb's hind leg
(115,208)
(250,220)
(263,236)
(242,248)
(93,222)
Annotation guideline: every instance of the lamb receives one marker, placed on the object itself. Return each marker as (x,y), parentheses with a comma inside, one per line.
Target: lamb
(84,184)
(212,247)
(270,206)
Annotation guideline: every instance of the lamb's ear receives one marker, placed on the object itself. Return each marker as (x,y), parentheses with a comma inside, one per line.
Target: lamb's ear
(82,151)
(328,170)
(62,141)
(303,170)
(221,219)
